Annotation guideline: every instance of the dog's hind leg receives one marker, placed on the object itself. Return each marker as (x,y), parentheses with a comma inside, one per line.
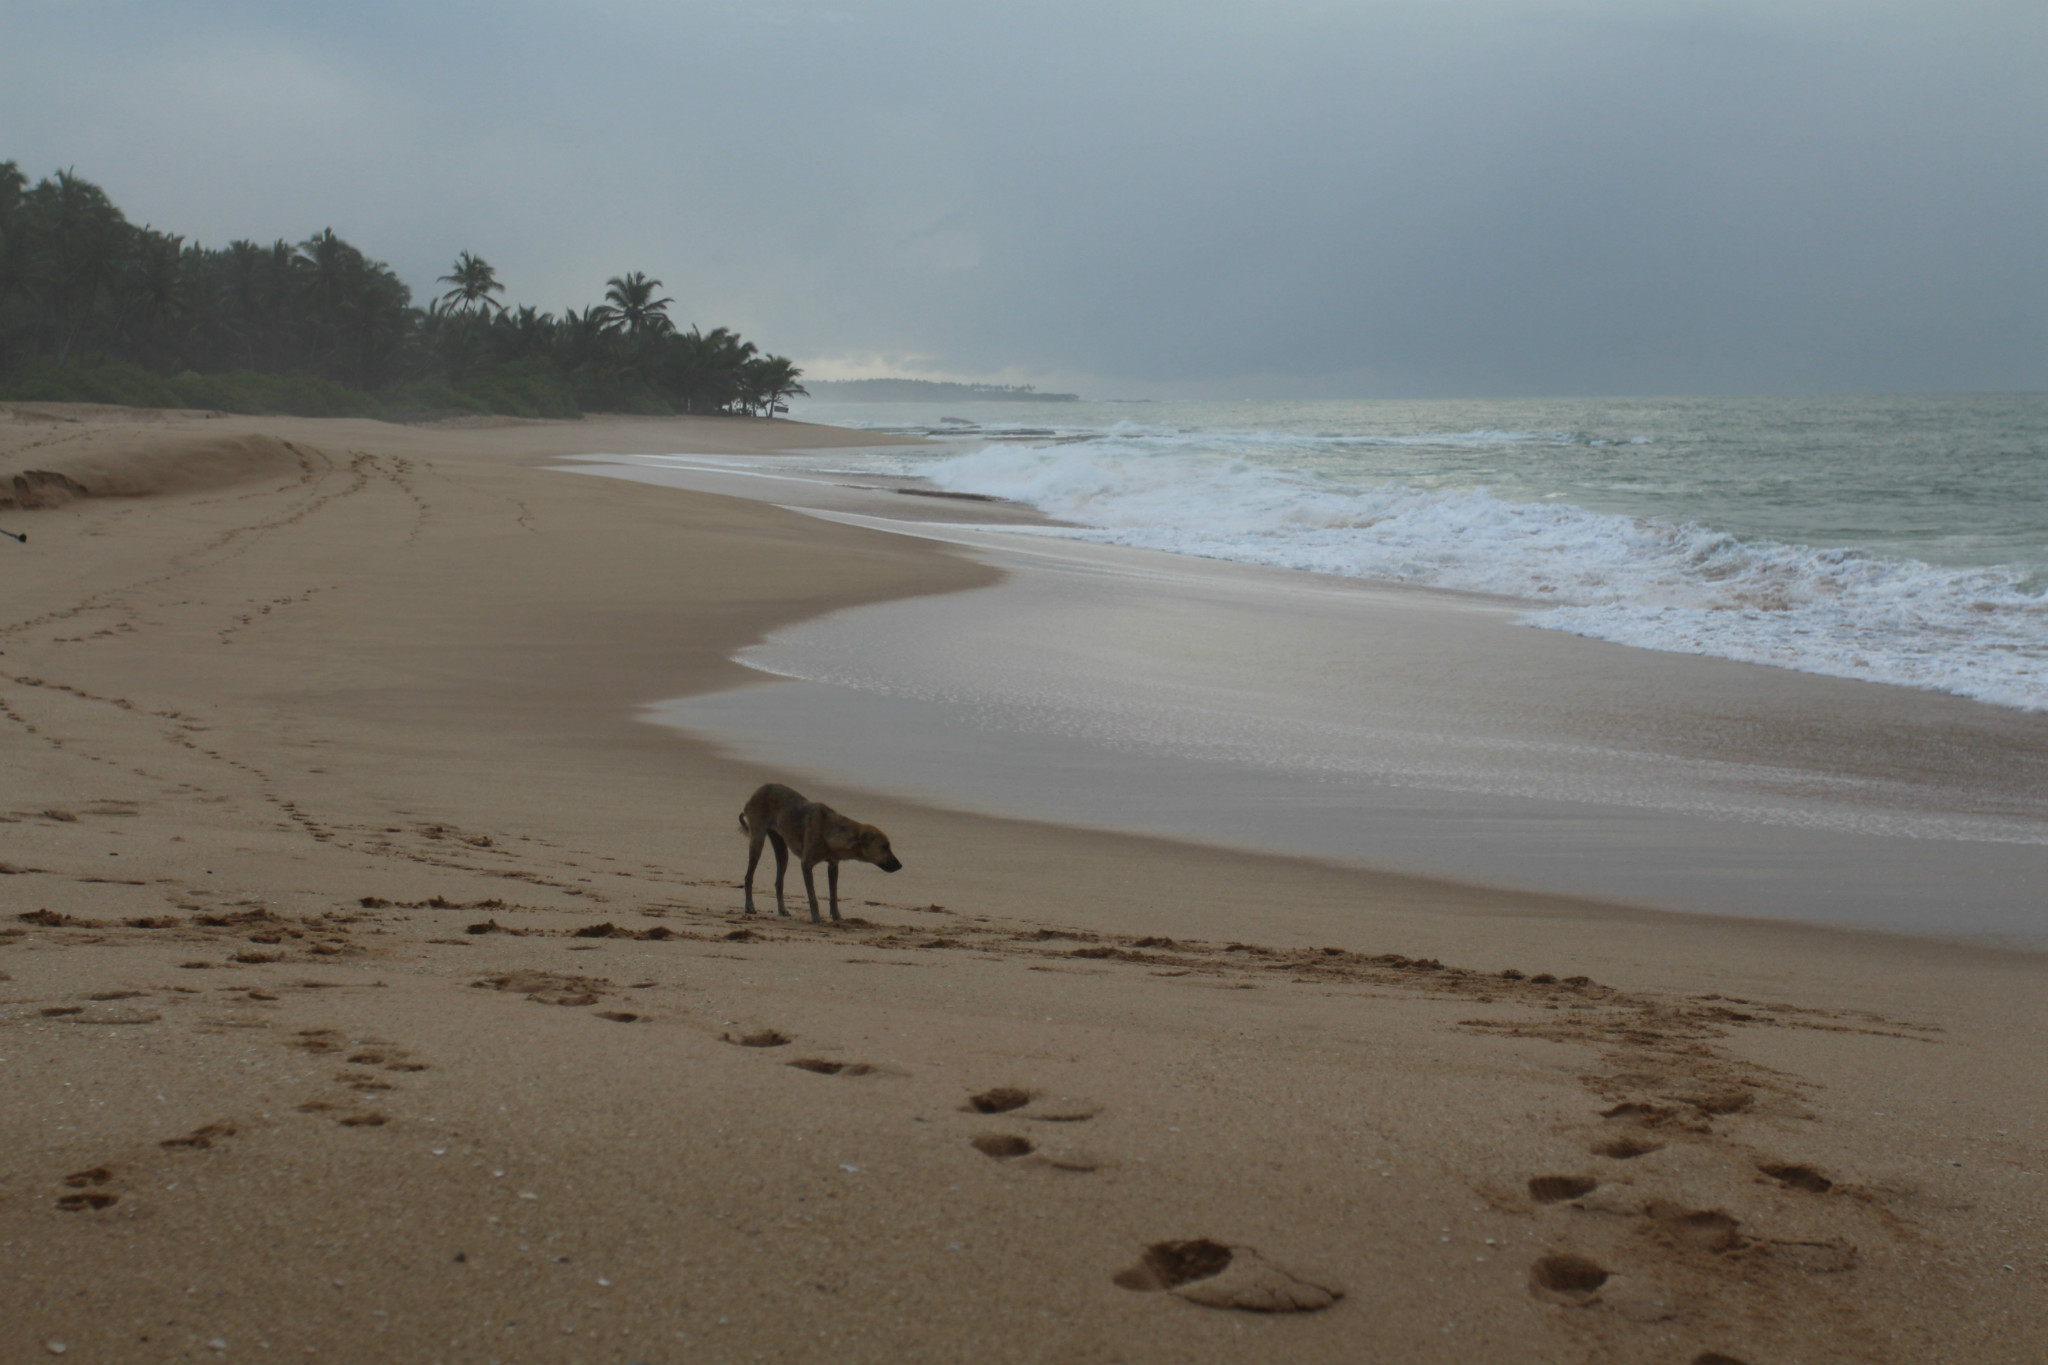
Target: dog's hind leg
(832,881)
(781,869)
(753,860)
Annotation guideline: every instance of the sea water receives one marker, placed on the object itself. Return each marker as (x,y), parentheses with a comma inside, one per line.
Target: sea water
(1899,540)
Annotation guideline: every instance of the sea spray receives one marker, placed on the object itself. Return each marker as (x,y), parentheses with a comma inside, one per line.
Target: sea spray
(1647,581)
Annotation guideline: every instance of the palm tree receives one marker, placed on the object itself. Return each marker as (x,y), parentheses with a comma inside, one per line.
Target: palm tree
(15,241)
(323,269)
(475,281)
(516,336)
(583,338)
(282,320)
(88,238)
(341,303)
(153,289)
(636,310)
(773,378)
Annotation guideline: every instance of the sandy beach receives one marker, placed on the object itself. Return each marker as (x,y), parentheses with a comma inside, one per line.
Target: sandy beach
(373,986)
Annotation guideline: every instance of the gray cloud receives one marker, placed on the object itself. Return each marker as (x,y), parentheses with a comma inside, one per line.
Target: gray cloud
(1291,197)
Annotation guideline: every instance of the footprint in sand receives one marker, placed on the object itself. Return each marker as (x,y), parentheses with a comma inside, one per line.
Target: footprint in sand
(1000,1100)
(549,988)
(199,1139)
(1626,1148)
(1701,1229)
(88,1200)
(354,1118)
(369,1052)
(766,1037)
(1718,1103)
(318,1040)
(1555,1189)
(1007,1099)
(1567,1278)
(1009,1147)
(1797,1177)
(1710,1230)
(1576,1281)
(827,1068)
(1002,1146)
(89,1191)
(1219,1276)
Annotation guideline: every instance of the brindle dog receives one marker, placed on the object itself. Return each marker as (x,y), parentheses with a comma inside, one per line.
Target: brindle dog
(818,833)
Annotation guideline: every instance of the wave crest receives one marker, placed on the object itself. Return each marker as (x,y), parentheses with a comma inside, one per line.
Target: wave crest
(1655,584)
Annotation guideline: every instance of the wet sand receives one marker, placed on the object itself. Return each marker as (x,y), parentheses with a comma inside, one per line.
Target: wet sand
(279,737)
(1394,727)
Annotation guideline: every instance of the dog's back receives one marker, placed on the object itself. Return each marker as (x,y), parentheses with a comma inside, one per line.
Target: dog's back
(769,807)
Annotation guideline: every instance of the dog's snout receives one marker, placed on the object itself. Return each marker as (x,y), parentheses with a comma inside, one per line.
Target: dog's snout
(891,865)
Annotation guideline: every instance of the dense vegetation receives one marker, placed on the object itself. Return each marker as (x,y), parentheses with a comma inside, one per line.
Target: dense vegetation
(96,309)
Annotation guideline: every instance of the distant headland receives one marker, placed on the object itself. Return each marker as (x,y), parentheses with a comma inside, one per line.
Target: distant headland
(930,390)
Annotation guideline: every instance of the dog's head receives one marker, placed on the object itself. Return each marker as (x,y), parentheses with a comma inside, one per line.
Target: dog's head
(863,843)
(873,847)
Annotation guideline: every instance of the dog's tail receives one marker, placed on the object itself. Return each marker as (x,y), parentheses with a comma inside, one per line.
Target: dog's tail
(744,827)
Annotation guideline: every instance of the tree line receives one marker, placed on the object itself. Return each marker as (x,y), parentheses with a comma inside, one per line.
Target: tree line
(95,308)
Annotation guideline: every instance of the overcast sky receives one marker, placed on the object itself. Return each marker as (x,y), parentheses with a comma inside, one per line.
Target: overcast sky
(1286,197)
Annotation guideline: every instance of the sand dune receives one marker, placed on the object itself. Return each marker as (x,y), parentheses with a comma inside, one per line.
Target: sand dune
(373,987)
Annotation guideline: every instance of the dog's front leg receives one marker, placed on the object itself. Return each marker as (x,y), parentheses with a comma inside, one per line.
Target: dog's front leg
(811,889)
(781,870)
(832,881)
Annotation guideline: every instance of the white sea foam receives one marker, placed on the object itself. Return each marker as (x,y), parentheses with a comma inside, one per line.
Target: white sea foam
(1655,584)
(1160,437)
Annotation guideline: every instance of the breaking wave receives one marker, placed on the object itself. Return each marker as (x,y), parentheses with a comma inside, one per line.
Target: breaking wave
(1642,581)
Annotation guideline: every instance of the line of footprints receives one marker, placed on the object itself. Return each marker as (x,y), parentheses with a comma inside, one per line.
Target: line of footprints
(101,1187)
(1199,1270)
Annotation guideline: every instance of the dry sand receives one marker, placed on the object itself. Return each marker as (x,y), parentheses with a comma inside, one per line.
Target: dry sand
(311,703)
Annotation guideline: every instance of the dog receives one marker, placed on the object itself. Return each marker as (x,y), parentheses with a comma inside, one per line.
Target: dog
(818,833)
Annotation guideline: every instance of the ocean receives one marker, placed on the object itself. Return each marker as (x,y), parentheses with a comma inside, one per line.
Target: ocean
(1899,540)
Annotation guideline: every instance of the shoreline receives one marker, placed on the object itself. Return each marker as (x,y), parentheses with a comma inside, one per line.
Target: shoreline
(475,1059)
(1131,690)
(1647,557)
